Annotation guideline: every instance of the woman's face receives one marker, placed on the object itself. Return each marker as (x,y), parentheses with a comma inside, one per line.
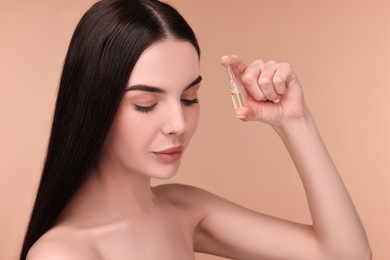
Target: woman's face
(159,111)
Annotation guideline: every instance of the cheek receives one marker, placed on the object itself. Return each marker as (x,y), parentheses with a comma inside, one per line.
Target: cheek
(192,120)
(131,133)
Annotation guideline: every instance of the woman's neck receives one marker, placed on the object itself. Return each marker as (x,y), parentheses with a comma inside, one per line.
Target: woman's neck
(109,194)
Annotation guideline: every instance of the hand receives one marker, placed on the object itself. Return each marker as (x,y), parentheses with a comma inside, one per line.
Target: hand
(272,91)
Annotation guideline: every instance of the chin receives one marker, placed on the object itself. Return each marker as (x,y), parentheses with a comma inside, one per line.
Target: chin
(166,172)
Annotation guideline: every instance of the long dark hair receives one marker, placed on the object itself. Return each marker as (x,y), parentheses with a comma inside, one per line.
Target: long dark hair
(105,46)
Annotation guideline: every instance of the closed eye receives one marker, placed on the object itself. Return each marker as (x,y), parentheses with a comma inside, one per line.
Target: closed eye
(144,109)
(190,102)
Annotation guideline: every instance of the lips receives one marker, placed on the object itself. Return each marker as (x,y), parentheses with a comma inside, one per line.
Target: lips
(169,155)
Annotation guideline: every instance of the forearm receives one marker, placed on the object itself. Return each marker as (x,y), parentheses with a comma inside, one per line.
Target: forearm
(274,96)
(336,223)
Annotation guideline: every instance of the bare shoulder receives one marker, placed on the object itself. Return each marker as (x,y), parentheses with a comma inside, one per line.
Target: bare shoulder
(182,194)
(62,244)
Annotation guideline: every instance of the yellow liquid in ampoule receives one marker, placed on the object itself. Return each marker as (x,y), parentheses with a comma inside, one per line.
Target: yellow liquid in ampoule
(237,100)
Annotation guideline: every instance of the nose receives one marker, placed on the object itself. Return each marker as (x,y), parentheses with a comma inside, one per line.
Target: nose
(175,122)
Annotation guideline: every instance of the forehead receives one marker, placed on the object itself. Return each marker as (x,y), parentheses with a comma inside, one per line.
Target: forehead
(166,63)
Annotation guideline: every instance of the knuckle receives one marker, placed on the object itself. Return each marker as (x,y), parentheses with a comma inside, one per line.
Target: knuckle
(280,90)
(277,80)
(271,62)
(264,83)
(248,78)
(258,62)
(285,65)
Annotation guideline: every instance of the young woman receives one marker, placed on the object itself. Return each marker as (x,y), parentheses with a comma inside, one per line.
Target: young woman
(126,110)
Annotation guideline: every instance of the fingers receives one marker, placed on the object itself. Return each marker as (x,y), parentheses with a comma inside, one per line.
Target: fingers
(245,113)
(235,63)
(261,80)
(272,91)
(264,81)
(282,77)
(250,80)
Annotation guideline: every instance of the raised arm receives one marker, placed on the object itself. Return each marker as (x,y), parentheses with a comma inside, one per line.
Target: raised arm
(274,96)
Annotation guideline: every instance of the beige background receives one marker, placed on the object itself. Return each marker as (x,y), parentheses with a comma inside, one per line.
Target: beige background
(340,50)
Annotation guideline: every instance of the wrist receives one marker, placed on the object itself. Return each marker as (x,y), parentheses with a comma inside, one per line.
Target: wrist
(294,124)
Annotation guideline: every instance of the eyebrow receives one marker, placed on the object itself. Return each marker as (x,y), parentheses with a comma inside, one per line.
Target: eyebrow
(153,89)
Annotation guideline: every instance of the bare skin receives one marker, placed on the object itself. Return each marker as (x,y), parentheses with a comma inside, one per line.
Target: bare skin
(116,214)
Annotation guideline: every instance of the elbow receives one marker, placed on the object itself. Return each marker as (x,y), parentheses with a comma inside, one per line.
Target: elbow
(363,254)
(351,252)
(358,254)
(368,254)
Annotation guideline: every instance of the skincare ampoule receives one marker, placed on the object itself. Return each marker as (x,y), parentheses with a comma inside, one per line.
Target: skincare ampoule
(234,89)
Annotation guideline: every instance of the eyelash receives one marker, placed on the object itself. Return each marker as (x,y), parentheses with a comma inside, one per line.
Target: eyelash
(190,102)
(186,102)
(144,109)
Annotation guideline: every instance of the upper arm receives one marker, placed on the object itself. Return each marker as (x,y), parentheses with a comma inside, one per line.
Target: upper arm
(232,231)
(229,230)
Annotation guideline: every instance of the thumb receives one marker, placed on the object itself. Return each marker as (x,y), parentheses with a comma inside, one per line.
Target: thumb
(245,113)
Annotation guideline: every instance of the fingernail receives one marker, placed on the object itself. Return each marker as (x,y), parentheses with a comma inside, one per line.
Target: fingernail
(240,116)
(276,101)
(224,57)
